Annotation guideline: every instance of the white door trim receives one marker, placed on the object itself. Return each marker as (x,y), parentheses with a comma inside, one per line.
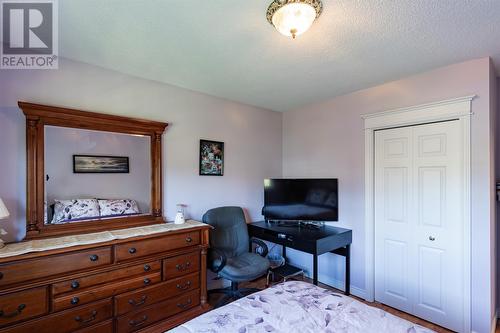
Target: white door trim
(457,108)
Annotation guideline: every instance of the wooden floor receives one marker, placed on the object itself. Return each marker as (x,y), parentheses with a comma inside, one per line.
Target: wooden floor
(261,284)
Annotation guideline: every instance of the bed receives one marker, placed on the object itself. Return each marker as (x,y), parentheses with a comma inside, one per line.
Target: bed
(298,307)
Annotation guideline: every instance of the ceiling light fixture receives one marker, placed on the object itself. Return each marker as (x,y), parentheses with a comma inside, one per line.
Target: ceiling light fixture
(293,17)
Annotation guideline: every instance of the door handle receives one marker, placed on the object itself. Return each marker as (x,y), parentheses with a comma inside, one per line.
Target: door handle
(88,320)
(135,323)
(184,305)
(183,267)
(184,287)
(20,308)
(138,303)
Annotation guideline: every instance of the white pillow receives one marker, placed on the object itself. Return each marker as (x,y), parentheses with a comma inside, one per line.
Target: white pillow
(74,210)
(45,216)
(118,207)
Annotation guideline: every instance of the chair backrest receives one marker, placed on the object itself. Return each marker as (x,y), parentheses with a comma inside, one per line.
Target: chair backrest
(230,233)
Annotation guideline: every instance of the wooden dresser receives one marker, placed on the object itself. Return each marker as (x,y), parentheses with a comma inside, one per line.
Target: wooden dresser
(144,283)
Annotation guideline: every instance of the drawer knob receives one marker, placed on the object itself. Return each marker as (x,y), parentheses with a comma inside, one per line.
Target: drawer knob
(147,268)
(18,311)
(139,322)
(75,300)
(184,305)
(138,303)
(92,317)
(132,250)
(185,286)
(147,281)
(75,285)
(94,257)
(189,239)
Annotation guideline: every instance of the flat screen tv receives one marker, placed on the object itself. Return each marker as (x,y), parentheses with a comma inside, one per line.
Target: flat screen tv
(301,199)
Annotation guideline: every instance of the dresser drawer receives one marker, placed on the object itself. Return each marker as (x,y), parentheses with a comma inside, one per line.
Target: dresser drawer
(139,299)
(23,305)
(33,269)
(101,278)
(67,321)
(139,319)
(137,249)
(75,299)
(181,265)
(104,327)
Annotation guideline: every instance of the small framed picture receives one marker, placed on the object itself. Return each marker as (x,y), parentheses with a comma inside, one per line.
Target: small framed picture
(211,158)
(100,164)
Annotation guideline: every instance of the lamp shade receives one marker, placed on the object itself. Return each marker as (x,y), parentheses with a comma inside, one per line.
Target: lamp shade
(293,17)
(4,213)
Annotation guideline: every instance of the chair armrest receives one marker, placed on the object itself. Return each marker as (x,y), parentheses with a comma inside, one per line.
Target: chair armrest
(223,260)
(261,244)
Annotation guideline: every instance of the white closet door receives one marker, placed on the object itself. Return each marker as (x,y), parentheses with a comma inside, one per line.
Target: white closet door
(393,226)
(418,221)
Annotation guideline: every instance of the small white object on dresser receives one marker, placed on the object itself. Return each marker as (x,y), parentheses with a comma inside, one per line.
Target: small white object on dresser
(180,217)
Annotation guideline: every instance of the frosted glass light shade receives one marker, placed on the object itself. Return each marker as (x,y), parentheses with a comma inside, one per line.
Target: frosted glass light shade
(294,19)
(4,213)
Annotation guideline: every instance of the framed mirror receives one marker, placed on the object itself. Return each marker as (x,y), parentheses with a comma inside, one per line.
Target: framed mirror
(90,172)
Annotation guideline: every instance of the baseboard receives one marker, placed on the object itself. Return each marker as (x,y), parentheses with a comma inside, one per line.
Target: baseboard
(494,322)
(337,284)
(332,282)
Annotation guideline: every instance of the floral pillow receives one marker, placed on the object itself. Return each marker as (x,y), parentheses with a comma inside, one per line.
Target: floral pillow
(118,207)
(76,209)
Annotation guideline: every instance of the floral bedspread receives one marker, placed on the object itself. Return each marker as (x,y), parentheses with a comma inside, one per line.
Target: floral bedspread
(298,307)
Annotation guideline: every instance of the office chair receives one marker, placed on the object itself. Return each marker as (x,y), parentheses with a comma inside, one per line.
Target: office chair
(230,253)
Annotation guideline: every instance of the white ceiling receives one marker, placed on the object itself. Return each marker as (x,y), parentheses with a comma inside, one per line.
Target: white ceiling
(226,48)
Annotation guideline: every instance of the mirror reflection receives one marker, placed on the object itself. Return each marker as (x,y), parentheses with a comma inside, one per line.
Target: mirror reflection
(94,175)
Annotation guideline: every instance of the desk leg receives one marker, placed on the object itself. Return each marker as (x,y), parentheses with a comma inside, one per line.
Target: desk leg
(315,269)
(348,270)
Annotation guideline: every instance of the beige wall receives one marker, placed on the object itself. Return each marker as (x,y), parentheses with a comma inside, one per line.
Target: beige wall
(327,140)
(252,136)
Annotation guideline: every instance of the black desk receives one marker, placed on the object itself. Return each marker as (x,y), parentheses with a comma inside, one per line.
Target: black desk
(315,241)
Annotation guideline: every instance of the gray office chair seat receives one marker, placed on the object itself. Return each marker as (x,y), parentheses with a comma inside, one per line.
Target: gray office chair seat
(230,255)
(246,267)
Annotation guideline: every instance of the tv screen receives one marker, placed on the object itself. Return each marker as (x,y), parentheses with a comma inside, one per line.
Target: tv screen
(301,199)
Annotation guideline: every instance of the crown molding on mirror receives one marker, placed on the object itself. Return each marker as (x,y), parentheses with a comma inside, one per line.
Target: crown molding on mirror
(37,117)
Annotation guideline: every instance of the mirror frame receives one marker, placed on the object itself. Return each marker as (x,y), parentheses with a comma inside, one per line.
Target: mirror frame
(37,117)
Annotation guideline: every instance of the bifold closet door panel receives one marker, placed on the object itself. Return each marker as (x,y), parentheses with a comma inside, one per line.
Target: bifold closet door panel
(439,223)
(393,231)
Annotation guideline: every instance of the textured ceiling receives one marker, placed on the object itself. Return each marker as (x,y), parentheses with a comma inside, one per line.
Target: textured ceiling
(226,48)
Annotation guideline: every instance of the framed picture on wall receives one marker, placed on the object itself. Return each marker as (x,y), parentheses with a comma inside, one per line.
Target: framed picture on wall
(211,158)
(100,164)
